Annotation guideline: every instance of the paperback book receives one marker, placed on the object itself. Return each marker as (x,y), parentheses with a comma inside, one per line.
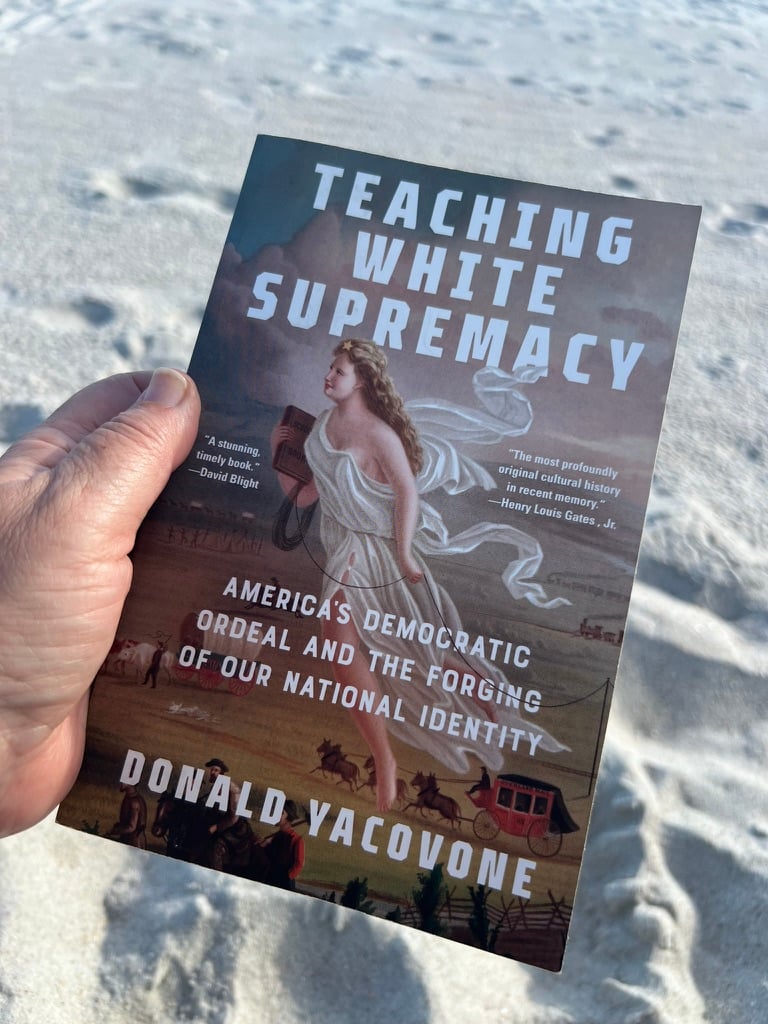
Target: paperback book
(376,617)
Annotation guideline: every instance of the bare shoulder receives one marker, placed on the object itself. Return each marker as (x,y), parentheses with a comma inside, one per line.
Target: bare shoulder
(384,437)
(390,453)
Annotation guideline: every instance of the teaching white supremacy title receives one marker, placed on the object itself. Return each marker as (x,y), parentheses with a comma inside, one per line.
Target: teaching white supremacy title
(491,221)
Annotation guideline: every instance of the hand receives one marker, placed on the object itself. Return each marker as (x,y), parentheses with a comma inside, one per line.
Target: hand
(306,494)
(281,433)
(411,570)
(72,495)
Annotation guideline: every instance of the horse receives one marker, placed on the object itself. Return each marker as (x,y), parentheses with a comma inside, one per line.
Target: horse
(402,789)
(112,662)
(334,761)
(139,657)
(430,798)
(184,827)
(330,754)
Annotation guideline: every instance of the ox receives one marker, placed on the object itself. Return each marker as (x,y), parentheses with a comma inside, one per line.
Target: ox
(139,657)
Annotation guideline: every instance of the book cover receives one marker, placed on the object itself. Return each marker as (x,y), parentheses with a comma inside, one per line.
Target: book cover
(376,617)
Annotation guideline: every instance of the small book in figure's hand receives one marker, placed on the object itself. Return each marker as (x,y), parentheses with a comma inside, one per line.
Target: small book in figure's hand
(289,455)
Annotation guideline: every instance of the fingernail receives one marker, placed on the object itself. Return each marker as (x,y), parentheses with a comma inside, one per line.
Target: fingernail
(167,387)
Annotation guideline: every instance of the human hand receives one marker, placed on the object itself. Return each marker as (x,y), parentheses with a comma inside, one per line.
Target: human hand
(72,495)
(300,494)
(411,570)
(282,433)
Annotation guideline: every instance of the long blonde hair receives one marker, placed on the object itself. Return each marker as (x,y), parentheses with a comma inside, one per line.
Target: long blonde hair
(381,396)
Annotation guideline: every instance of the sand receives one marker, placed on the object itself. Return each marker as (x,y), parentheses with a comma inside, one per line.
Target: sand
(127,131)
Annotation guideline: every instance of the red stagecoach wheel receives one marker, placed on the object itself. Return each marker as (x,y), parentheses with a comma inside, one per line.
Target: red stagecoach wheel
(209,680)
(544,838)
(238,687)
(485,825)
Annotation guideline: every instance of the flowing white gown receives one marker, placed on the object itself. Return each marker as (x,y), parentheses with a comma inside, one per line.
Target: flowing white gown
(357,533)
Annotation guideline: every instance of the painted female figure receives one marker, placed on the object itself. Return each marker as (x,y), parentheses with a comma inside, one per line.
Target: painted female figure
(368,472)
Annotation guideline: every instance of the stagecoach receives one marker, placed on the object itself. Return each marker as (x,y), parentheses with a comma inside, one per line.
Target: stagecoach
(522,806)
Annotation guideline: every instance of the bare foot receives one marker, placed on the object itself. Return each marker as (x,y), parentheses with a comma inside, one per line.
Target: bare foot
(386,783)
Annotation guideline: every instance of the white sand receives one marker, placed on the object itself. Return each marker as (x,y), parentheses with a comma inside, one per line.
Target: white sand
(127,130)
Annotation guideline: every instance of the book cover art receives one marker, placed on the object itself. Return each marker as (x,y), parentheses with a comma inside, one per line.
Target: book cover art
(376,616)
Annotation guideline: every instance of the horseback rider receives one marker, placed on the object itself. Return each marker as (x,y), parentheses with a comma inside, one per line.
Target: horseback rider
(232,835)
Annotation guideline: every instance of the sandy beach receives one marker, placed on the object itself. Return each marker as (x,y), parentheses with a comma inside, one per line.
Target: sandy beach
(127,130)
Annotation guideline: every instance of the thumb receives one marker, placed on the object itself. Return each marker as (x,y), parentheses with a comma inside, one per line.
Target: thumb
(117,469)
(90,473)
(73,493)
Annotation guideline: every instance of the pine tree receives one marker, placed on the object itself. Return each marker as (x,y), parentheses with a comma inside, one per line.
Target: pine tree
(429,899)
(479,924)
(355,896)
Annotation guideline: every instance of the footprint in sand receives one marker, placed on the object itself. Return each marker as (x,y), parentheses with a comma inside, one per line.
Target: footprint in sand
(92,188)
(163,341)
(744,220)
(625,185)
(16,420)
(608,137)
(85,311)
